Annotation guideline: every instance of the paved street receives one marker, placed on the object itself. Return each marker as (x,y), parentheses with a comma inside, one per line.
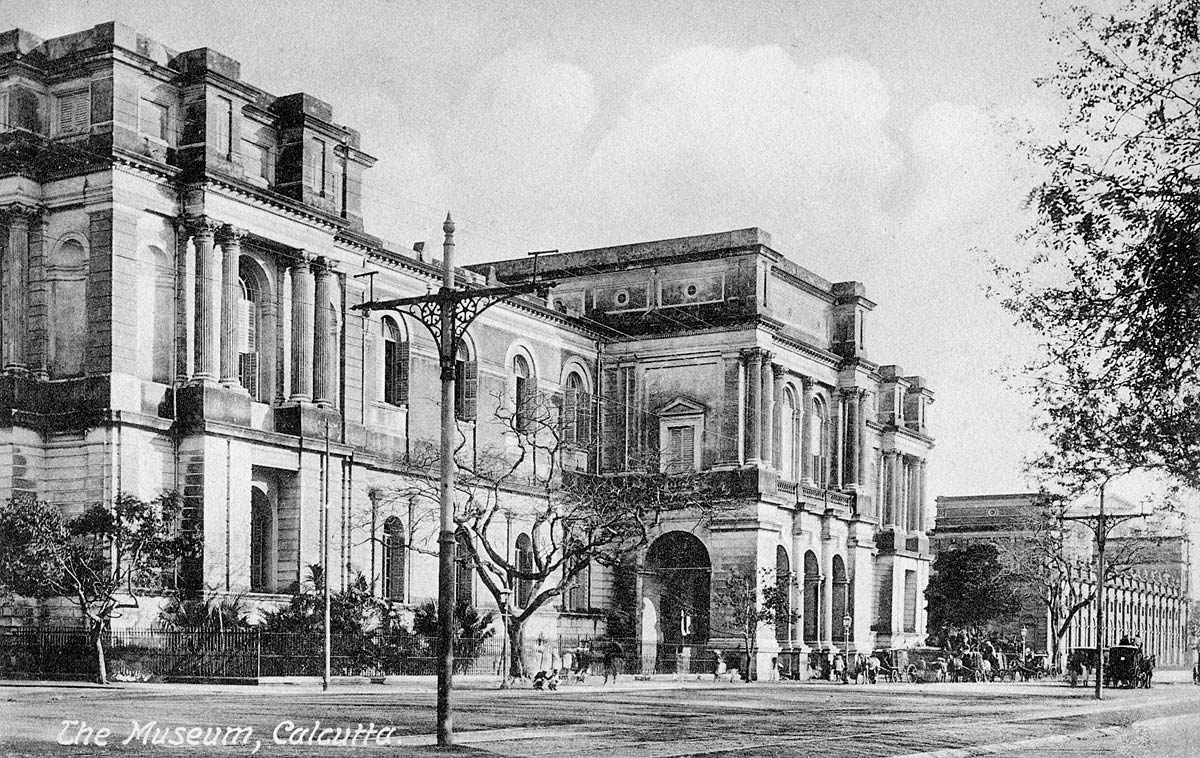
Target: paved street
(641,720)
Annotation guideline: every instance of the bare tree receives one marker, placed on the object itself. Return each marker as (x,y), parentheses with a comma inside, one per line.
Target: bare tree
(750,602)
(573,518)
(1053,560)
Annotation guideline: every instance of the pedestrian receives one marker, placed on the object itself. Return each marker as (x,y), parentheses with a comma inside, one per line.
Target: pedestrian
(839,668)
(718,666)
(613,653)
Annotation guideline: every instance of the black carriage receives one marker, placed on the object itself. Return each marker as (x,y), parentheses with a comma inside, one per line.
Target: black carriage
(1125,666)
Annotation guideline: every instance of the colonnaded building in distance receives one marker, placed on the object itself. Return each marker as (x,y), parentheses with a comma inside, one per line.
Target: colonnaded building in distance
(182,253)
(1150,600)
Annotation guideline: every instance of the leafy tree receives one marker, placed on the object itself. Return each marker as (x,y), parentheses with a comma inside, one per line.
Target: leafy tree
(1114,287)
(472,629)
(573,518)
(100,560)
(748,602)
(969,590)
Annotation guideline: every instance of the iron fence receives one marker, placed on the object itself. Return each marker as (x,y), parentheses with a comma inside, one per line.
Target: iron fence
(250,654)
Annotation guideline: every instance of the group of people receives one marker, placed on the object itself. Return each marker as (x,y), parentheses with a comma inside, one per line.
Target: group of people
(554,667)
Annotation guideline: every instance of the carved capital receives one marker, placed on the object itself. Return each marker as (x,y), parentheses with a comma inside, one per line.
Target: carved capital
(750,354)
(202,226)
(324,266)
(806,384)
(302,261)
(777,370)
(766,356)
(229,234)
(21,213)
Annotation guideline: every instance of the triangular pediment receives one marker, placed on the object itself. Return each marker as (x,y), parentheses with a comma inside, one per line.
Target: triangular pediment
(682,406)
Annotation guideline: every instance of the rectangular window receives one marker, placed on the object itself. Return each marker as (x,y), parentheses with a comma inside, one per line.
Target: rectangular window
(681,449)
(74,112)
(153,120)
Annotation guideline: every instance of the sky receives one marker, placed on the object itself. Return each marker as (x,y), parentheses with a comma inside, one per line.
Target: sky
(875,141)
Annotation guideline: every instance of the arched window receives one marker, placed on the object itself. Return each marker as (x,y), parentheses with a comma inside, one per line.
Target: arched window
(395,364)
(67,273)
(525,386)
(787,435)
(524,564)
(464,577)
(249,327)
(819,444)
(466,384)
(394,544)
(261,539)
(578,594)
(841,599)
(577,411)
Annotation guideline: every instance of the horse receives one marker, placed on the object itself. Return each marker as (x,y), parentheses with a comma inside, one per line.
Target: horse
(1146,671)
(1081,663)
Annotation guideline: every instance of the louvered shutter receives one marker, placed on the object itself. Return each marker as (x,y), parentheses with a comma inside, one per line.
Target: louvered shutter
(401,373)
(396,567)
(470,390)
(570,415)
(584,414)
(248,372)
(687,449)
(74,112)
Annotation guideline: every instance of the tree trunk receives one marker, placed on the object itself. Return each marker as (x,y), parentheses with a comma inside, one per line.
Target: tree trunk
(516,648)
(97,633)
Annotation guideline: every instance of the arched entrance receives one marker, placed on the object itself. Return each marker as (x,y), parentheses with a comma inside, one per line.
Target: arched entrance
(783,580)
(812,599)
(841,599)
(677,582)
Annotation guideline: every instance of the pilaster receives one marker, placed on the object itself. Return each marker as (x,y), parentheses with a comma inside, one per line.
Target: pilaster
(230,240)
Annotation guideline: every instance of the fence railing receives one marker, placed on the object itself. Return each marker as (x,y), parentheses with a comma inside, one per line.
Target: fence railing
(249,654)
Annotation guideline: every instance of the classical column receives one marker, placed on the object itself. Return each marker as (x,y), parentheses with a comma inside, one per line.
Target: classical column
(185,300)
(303,297)
(230,239)
(806,420)
(283,342)
(839,438)
(38,342)
(892,492)
(208,299)
(767,412)
(16,285)
(850,435)
(323,370)
(860,440)
(753,405)
(777,420)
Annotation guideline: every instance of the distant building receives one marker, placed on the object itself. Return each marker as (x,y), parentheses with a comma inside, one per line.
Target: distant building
(1151,601)
(182,254)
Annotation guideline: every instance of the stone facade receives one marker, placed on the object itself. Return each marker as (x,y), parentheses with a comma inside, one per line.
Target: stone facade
(1152,601)
(182,253)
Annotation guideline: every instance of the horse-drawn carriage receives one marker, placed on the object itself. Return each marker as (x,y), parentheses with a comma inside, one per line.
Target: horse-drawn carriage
(1031,667)
(1128,666)
(926,665)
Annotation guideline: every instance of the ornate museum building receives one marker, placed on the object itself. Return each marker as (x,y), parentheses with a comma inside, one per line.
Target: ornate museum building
(181,257)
